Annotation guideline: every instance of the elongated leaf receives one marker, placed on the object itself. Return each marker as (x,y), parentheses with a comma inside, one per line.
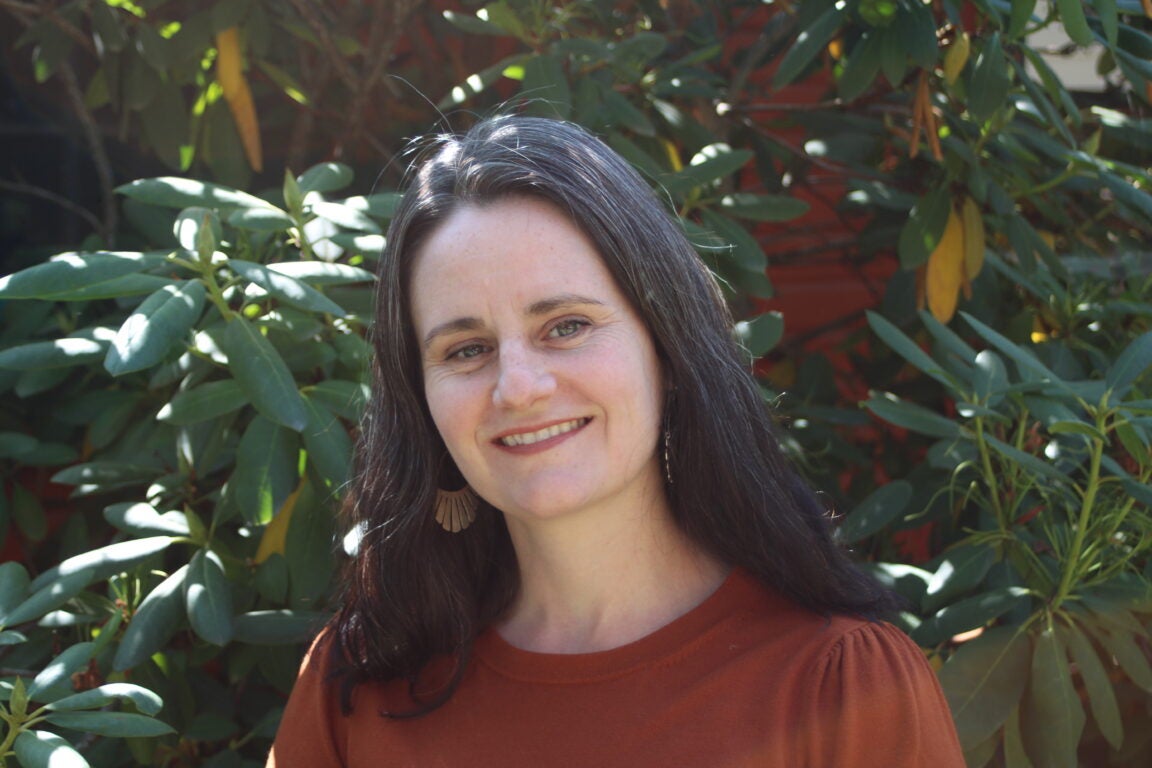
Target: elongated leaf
(322,272)
(710,164)
(809,43)
(54,681)
(925,226)
(914,417)
(328,445)
(174,192)
(1131,658)
(203,403)
(107,561)
(263,375)
(761,334)
(144,700)
(14,584)
(156,619)
(1028,461)
(984,680)
(82,276)
(46,355)
(41,749)
(160,322)
(1024,359)
(1101,697)
(143,520)
(345,216)
(972,613)
(1133,362)
(743,205)
(103,475)
(47,598)
(988,87)
(344,398)
(287,289)
(1020,16)
(1056,720)
(208,598)
(880,508)
(260,219)
(1075,23)
(277,627)
(265,472)
(325,177)
(117,724)
(906,348)
(960,570)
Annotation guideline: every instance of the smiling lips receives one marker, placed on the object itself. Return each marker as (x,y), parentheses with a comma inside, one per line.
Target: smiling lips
(529,438)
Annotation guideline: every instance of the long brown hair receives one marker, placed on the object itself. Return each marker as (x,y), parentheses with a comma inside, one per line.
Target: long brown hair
(414,591)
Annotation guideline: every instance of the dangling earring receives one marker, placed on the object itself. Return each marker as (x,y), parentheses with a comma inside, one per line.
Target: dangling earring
(667,457)
(456,510)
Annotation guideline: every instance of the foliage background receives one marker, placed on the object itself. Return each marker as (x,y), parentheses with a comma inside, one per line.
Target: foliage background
(181,390)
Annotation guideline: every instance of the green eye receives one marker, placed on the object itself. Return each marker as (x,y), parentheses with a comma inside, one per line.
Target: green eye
(566,328)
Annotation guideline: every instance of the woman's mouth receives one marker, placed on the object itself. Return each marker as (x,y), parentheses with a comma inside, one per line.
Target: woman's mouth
(539,435)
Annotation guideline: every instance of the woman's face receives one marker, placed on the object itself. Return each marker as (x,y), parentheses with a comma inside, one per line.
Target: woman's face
(541,378)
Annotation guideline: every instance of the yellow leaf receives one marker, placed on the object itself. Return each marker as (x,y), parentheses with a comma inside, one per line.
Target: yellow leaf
(276,532)
(956,57)
(946,270)
(974,241)
(230,74)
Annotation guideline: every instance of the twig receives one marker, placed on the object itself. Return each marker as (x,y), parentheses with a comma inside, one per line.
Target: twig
(99,154)
(63,202)
(337,59)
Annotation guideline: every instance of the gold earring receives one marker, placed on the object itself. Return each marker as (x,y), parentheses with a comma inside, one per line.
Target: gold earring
(456,510)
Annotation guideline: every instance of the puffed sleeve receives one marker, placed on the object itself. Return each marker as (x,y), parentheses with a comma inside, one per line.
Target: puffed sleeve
(311,730)
(881,704)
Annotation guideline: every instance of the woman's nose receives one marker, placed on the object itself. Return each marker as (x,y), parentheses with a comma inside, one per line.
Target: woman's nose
(524,378)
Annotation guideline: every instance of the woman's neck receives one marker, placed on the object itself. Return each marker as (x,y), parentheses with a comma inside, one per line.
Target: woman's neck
(597,582)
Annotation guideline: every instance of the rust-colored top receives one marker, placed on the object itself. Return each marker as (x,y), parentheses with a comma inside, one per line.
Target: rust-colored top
(745,679)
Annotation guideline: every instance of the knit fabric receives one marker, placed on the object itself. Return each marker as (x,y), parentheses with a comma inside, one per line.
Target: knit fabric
(745,679)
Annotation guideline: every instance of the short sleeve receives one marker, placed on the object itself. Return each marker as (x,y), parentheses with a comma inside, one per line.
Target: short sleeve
(880,705)
(310,733)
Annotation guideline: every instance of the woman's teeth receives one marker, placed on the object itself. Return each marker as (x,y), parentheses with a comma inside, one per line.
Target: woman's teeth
(528,438)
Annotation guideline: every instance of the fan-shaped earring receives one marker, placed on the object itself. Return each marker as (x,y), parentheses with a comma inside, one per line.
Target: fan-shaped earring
(456,510)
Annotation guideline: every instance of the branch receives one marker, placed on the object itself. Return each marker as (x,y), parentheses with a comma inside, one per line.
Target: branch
(63,202)
(337,59)
(99,154)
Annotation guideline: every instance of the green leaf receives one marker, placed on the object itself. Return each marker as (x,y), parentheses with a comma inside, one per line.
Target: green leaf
(84,276)
(161,322)
(1129,655)
(911,416)
(278,627)
(344,398)
(46,355)
(308,547)
(1025,360)
(712,163)
(1020,16)
(95,476)
(203,403)
(469,23)
(960,570)
(174,192)
(325,177)
(761,334)
(265,472)
(1101,697)
(917,30)
(110,34)
(971,613)
(142,519)
(906,347)
(198,230)
(263,375)
(105,561)
(809,43)
(328,445)
(115,724)
(1054,718)
(1107,12)
(28,513)
(344,215)
(880,508)
(1131,364)
(143,699)
(1075,22)
(14,583)
(989,83)
(13,445)
(774,208)
(545,81)
(861,66)
(288,289)
(208,598)
(47,598)
(984,680)
(1027,461)
(156,619)
(924,228)
(55,680)
(322,272)
(41,749)
(260,219)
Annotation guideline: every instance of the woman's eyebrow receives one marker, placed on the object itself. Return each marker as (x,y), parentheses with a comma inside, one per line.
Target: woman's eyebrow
(452,326)
(562,301)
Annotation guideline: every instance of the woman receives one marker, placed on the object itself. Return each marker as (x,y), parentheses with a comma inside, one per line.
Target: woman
(581,543)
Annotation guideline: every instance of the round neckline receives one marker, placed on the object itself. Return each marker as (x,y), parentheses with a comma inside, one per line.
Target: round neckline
(737,591)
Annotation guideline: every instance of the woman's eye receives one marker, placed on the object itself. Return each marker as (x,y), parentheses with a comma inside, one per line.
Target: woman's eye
(566,328)
(467,352)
